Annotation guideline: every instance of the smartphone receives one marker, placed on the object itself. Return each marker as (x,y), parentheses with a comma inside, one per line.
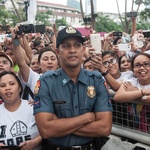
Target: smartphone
(50,33)
(146,33)
(96,43)
(131,14)
(117,33)
(9,147)
(5,28)
(124,47)
(105,35)
(2,37)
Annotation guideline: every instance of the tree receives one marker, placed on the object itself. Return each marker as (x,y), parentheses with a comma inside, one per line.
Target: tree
(81,7)
(7,17)
(145,14)
(105,24)
(16,10)
(43,17)
(126,22)
(61,22)
(143,25)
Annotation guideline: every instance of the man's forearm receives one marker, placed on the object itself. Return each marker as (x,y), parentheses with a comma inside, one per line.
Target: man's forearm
(64,126)
(91,130)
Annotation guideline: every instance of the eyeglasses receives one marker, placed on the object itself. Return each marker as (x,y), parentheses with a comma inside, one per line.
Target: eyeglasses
(112,61)
(145,65)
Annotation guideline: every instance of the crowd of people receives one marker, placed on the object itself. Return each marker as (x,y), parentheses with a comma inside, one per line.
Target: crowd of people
(55,90)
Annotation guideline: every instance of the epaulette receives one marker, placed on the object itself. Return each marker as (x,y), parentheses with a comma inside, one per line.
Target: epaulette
(51,72)
(93,73)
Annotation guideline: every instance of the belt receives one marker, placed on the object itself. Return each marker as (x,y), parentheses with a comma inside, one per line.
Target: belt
(87,146)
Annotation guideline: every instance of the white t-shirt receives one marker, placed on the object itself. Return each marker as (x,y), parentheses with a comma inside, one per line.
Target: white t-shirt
(135,83)
(17,126)
(33,78)
(125,76)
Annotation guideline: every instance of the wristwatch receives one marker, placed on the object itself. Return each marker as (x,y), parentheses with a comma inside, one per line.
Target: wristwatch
(16,42)
(144,98)
(105,73)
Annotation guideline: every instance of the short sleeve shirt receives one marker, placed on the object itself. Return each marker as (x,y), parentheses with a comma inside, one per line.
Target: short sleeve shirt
(58,94)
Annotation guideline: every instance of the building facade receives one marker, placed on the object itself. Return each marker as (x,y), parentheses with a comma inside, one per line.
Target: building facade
(70,14)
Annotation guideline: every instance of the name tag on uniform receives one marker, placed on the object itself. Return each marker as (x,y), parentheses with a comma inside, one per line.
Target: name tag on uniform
(59,102)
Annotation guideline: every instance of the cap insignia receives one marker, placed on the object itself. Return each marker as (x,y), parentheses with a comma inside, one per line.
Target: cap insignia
(70,30)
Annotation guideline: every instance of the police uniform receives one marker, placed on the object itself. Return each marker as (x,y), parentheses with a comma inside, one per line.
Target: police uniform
(56,93)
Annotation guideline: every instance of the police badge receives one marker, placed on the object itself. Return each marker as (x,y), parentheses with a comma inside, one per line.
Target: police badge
(91,91)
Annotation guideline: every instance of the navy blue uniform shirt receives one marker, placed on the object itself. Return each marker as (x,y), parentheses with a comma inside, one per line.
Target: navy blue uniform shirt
(57,93)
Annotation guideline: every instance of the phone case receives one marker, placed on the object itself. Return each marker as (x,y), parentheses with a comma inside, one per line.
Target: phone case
(124,47)
(96,43)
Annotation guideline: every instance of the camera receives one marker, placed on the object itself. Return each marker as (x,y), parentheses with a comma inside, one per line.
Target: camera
(30,28)
(131,14)
(117,33)
(146,33)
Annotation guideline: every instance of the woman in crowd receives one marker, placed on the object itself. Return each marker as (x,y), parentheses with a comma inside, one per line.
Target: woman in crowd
(140,85)
(138,89)
(34,65)
(17,122)
(124,63)
(47,60)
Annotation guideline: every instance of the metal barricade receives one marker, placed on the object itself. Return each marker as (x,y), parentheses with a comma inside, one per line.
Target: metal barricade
(131,120)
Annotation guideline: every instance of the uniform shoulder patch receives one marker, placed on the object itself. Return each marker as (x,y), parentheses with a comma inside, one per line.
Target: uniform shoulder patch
(37,102)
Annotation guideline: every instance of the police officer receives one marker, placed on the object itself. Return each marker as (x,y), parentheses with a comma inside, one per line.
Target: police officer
(72,105)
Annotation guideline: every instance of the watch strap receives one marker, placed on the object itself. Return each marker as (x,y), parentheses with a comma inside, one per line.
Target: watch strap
(105,73)
(16,42)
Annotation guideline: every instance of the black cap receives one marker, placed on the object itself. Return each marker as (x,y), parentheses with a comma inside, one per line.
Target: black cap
(68,31)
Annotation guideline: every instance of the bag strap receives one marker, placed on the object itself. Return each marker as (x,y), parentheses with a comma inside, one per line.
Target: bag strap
(27,91)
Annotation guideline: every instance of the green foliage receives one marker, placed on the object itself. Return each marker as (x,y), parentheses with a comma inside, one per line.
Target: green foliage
(145,2)
(105,24)
(42,17)
(142,25)
(7,17)
(61,22)
(145,14)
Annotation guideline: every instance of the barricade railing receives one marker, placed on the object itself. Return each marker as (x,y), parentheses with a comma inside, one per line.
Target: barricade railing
(131,120)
